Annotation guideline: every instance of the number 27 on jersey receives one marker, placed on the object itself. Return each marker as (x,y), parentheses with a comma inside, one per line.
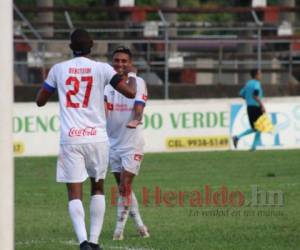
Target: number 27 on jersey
(76,82)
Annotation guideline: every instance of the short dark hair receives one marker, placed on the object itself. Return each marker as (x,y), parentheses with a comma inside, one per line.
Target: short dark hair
(123,49)
(81,42)
(254,72)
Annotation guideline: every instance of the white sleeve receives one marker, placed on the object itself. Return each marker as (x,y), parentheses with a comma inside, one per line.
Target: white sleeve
(109,72)
(51,78)
(141,92)
(106,90)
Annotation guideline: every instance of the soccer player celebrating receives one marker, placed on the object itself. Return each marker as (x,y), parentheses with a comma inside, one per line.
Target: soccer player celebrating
(253,94)
(84,148)
(126,142)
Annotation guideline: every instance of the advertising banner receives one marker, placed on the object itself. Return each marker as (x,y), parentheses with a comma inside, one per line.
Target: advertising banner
(36,130)
(170,126)
(186,125)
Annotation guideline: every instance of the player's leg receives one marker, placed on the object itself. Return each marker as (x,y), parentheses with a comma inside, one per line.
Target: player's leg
(116,168)
(134,207)
(76,212)
(255,141)
(253,114)
(96,158)
(244,133)
(134,213)
(124,202)
(236,138)
(71,170)
(97,211)
(133,164)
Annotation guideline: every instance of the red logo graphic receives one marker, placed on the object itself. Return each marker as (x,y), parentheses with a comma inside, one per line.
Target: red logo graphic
(145,98)
(137,157)
(78,132)
(122,107)
(110,106)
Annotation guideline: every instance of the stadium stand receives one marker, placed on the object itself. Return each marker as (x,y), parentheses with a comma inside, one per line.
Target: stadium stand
(182,59)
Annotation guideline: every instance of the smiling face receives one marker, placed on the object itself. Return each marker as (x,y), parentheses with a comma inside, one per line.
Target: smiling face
(121,61)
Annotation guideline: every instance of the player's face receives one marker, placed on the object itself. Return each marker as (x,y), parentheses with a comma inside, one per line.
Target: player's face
(258,75)
(121,62)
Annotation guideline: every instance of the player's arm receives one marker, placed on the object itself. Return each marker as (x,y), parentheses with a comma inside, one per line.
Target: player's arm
(139,104)
(127,89)
(242,93)
(47,89)
(44,95)
(138,115)
(259,101)
(105,106)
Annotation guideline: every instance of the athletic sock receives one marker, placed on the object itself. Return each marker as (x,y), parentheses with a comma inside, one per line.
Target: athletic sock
(76,212)
(97,211)
(122,214)
(246,132)
(134,211)
(256,141)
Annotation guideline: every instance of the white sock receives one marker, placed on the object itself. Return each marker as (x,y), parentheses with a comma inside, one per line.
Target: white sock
(122,214)
(76,212)
(134,211)
(97,211)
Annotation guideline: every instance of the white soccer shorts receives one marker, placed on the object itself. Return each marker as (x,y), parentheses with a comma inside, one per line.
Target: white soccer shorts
(130,161)
(77,162)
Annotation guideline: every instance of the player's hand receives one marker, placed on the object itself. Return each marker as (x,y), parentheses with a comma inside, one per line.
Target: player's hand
(263,109)
(133,123)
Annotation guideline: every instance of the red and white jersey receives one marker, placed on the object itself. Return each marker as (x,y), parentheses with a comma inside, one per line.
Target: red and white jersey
(120,112)
(80,85)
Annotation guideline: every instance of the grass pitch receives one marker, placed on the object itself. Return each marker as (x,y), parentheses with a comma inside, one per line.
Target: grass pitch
(42,221)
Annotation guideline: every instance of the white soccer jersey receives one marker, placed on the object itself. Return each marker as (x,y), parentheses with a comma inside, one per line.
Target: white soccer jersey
(120,112)
(80,84)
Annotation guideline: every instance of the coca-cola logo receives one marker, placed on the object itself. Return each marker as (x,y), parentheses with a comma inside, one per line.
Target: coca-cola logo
(78,132)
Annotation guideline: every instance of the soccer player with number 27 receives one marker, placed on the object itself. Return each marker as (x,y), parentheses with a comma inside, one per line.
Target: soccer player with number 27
(84,147)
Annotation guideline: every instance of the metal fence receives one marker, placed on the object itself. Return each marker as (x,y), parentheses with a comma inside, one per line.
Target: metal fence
(171,53)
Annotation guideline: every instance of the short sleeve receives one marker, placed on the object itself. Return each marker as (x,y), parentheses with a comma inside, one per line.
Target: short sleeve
(257,89)
(109,72)
(242,92)
(106,90)
(51,81)
(257,86)
(141,93)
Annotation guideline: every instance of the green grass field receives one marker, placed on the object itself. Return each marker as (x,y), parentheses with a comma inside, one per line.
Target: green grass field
(43,223)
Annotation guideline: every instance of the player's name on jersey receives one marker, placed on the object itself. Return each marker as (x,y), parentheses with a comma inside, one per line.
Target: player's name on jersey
(80,70)
(197,142)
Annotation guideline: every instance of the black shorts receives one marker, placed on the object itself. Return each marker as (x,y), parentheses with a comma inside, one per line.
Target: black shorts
(254,113)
